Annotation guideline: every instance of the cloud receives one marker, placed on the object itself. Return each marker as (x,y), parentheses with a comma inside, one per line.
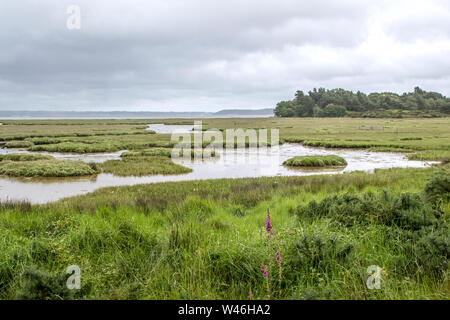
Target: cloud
(209,55)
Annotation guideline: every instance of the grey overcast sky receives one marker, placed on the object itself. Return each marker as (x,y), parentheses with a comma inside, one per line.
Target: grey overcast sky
(205,55)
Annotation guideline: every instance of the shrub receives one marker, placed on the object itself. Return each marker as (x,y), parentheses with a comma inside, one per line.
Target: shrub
(432,251)
(319,252)
(437,188)
(41,285)
(408,211)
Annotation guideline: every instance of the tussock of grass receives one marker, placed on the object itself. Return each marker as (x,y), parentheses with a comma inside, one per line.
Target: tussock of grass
(165,152)
(45,168)
(77,147)
(19,205)
(142,165)
(24,157)
(316,161)
(18,144)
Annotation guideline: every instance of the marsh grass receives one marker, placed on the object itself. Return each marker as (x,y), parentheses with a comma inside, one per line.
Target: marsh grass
(45,168)
(142,165)
(185,241)
(431,155)
(77,147)
(15,205)
(19,144)
(24,157)
(316,161)
(166,152)
(84,136)
(202,239)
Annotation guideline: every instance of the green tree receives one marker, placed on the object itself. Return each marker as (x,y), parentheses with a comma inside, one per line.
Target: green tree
(333,111)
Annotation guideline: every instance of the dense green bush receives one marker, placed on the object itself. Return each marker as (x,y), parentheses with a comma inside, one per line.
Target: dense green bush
(319,252)
(415,220)
(408,211)
(42,285)
(438,188)
(333,111)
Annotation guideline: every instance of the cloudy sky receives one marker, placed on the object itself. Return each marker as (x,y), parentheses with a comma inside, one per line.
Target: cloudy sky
(204,55)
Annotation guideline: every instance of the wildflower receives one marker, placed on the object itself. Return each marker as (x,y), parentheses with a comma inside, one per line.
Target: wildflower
(264,272)
(268,225)
(278,256)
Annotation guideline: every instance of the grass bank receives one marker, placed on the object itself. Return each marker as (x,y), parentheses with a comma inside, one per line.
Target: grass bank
(45,168)
(207,239)
(142,165)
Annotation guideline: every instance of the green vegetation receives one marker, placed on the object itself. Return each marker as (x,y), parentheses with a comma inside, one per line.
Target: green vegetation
(430,137)
(77,147)
(436,155)
(24,157)
(316,161)
(45,168)
(206,239)
(163,152)
(39,165)
(133,164)
(18,144)
(142,165)
(166,152)
(340,103)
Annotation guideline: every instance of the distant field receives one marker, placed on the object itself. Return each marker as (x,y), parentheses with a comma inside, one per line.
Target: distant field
(429,137)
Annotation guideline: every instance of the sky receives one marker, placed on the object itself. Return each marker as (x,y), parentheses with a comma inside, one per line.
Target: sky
(204,55)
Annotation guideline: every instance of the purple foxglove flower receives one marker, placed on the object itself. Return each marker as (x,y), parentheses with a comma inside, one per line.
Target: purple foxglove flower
(268,225)
(278,257)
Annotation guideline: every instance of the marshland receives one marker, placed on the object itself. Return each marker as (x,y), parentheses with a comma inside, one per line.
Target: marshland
(154,236)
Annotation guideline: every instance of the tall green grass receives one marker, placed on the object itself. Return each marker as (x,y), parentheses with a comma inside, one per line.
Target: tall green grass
(207,239)
(143,165)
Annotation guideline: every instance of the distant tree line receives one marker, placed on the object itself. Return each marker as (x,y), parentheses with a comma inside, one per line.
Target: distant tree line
(341,103)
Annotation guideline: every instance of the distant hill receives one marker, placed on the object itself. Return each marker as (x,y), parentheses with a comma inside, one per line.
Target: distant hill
(245,112)
(231,113)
